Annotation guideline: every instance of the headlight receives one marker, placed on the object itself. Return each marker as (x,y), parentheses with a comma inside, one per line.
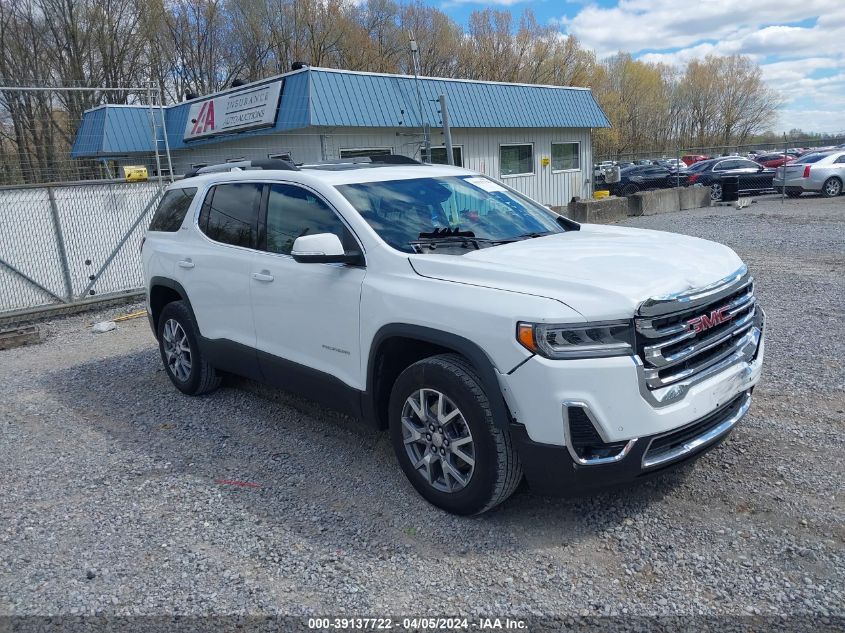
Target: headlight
(577,340)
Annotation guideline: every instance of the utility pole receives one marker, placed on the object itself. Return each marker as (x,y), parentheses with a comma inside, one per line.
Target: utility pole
(415,59)
(783,188)
(447,132)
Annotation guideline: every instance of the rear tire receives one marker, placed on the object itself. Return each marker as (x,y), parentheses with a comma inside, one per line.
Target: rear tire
(716,191)
(178,343)
(435,404)
(832,187)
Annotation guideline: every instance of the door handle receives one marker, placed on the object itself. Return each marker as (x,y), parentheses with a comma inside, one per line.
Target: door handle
(186,263)
(264,275)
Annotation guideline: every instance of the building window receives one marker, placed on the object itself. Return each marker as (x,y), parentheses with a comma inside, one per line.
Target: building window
(566,156)
(438,155)
(359,152)
(516,160)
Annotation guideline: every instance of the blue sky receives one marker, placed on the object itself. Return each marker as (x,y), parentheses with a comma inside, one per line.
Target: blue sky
(799,44)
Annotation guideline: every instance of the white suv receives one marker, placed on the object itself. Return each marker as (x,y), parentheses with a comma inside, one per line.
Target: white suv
(493,338)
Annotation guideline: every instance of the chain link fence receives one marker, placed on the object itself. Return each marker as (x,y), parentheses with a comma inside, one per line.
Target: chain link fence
(753,165)
(717,151)
(70,227)
(64,243)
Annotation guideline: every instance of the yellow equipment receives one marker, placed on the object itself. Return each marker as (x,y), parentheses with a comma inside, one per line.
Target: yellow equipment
(135,173)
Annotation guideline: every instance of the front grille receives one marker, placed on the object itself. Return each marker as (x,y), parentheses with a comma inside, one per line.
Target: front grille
(697,435)
(668,344)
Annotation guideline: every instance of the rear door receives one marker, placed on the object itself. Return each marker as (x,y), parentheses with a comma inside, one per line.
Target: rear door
(163,241)
(214,263)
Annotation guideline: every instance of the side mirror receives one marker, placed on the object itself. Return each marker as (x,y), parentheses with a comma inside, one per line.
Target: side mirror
(323,248)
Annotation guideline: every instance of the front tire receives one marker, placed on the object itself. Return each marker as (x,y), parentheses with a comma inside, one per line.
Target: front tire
(178,337)
(832,187)
(446,440)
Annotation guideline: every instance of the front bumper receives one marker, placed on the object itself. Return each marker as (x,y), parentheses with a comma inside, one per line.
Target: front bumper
(551,470)
(611,392)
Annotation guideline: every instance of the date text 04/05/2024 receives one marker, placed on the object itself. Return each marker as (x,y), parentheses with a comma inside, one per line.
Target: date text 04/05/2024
(414,623)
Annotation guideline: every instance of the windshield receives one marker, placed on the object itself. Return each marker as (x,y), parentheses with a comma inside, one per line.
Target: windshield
(404,211)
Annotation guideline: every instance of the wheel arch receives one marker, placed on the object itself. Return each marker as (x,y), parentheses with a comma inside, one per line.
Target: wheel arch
(164,290)
(835,177)
(397,346)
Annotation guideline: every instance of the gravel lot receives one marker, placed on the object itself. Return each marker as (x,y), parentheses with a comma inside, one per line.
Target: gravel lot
(111,501)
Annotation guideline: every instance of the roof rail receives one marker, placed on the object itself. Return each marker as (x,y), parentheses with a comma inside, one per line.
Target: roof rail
(364,161)
(244,165)
(394,159)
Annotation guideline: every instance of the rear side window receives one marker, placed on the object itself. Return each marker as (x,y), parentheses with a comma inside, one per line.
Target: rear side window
(172,210)
(230,213)
(293,212)
(809,158)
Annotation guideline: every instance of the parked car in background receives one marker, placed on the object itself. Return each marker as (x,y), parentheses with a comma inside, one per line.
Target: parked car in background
(774,160)
(642,177)
(672,164)
(753,177)
(819,172)
(691,159)
(602,167)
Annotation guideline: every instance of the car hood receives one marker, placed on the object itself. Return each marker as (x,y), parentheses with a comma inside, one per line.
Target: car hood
(602,272)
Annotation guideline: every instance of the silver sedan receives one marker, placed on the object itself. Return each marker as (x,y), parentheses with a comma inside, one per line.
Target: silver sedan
(820,172)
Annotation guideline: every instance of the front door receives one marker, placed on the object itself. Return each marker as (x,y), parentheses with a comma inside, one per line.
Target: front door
(306,315)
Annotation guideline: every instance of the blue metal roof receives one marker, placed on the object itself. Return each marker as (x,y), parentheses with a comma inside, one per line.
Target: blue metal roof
(113,130)
(340,98)
(322,97)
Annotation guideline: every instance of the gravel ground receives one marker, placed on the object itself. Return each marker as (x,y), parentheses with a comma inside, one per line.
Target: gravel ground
(111,500)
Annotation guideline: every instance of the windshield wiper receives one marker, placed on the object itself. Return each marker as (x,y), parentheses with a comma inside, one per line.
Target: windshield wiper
(457,240)
(454,236)
(528,236)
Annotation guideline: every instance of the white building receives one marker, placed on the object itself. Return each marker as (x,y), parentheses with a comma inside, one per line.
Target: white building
(536,138)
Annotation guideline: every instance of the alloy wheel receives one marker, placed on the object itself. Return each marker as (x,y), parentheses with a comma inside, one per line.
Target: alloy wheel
(832,187)
(438,440)
(177,350)
(716,191)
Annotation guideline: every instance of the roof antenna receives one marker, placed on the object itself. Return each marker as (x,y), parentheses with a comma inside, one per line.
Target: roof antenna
(415,61)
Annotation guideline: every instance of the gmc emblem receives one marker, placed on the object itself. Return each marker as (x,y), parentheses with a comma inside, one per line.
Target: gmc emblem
(706,321)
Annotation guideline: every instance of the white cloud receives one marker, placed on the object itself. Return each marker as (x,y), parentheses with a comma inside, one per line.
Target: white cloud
(811,120)
(638,25)
(764,30)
